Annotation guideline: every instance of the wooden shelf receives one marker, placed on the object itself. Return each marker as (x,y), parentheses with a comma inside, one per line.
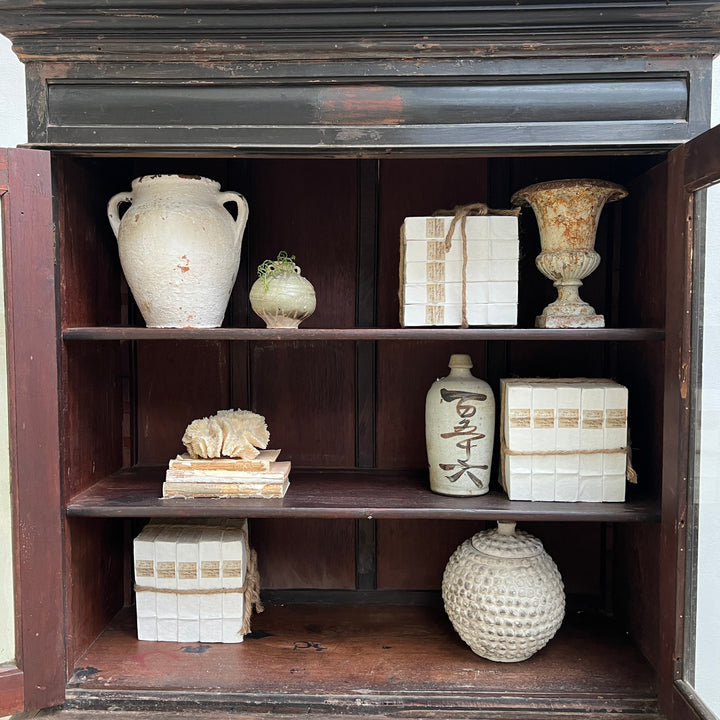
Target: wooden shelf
(340,494)
(357,334)
(392,658)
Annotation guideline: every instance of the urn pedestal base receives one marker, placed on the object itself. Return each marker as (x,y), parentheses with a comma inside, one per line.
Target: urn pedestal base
(569,321)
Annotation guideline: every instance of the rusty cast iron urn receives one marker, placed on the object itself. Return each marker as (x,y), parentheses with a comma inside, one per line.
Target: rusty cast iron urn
(567,213)
(503,594)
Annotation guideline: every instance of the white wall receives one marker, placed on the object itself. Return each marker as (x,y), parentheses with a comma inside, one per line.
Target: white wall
(12,132)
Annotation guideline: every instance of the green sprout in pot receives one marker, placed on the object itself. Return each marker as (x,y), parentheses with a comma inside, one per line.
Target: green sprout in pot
(281,296)
(283,265)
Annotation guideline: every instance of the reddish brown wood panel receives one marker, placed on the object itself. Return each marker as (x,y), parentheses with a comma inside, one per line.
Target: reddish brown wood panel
(644,255)
(95,567)
(3,172)
(90,271)
(676,425)
(412,554)
(309,209)
(304,553)
(34,432)
(93,410)
(306,391)
(702,162)
(177,382)
(417,187)
(405,372)
(11,688)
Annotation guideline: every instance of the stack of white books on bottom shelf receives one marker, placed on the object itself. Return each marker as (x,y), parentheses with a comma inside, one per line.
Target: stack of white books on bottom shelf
(190,581)
(263,477)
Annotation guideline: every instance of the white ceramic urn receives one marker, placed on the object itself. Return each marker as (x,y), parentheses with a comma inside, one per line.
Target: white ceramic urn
(179,248)
(460,431)
(503,594)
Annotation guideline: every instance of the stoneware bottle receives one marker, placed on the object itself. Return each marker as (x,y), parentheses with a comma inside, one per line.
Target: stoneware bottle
(503,594)
(179,248)
(459,431)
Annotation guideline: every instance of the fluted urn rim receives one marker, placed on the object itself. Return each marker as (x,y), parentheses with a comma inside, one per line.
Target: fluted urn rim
(615,190)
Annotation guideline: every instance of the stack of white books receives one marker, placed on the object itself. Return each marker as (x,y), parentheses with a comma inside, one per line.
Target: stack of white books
(189,580)
(432,276)
(262,476)
(564,440)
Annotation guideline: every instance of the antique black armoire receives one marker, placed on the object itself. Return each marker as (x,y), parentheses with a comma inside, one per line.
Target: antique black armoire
(336,120)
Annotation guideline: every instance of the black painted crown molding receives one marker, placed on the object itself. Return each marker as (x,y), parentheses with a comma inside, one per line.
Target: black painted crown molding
(112,30)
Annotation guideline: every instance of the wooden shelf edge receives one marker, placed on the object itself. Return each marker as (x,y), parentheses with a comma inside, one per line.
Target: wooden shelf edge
(74,334)
(338,494)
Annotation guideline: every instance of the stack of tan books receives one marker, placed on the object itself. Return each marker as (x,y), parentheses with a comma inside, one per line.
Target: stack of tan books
(262,476)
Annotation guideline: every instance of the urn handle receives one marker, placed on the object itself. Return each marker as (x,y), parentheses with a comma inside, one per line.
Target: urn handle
(242,210)
(113,209)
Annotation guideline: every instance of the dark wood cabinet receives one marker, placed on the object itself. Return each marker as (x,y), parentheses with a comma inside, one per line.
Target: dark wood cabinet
(336,122)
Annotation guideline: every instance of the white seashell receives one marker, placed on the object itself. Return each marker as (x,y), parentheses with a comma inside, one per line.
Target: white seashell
(229,433)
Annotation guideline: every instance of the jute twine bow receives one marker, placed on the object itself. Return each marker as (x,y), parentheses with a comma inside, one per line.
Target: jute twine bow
(460,214)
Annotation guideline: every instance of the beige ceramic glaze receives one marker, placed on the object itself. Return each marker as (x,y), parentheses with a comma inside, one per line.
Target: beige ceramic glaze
(567,213)
(503,594)
(459,431)
(283,300)
(179,248)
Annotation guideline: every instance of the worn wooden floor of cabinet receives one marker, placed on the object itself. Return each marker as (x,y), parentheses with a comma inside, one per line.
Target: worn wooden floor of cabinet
(395,661)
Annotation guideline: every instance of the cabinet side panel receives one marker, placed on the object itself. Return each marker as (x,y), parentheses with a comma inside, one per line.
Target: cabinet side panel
(94,581)
(34,431)
(642,368)
(90,275)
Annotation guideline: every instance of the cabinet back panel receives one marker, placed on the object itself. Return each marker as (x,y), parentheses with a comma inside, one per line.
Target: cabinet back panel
(412,554)
(309,209)
(177,382)
(316,554)
(406,370)
(306,392)
(416,188)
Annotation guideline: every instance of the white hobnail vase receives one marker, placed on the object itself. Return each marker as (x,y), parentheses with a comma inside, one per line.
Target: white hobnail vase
(503,594)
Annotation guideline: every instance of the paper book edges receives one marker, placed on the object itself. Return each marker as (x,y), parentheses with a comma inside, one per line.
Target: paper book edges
(212,478)
(261,462)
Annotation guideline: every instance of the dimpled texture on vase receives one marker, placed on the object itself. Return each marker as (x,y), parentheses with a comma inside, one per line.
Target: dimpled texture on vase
(503,594)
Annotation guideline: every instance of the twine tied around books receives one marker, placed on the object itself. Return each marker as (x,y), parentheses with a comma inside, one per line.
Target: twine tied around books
(630,473)
(460,214)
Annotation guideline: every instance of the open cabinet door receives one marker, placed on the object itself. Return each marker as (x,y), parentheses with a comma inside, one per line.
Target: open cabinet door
(691,168)
(38,677)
